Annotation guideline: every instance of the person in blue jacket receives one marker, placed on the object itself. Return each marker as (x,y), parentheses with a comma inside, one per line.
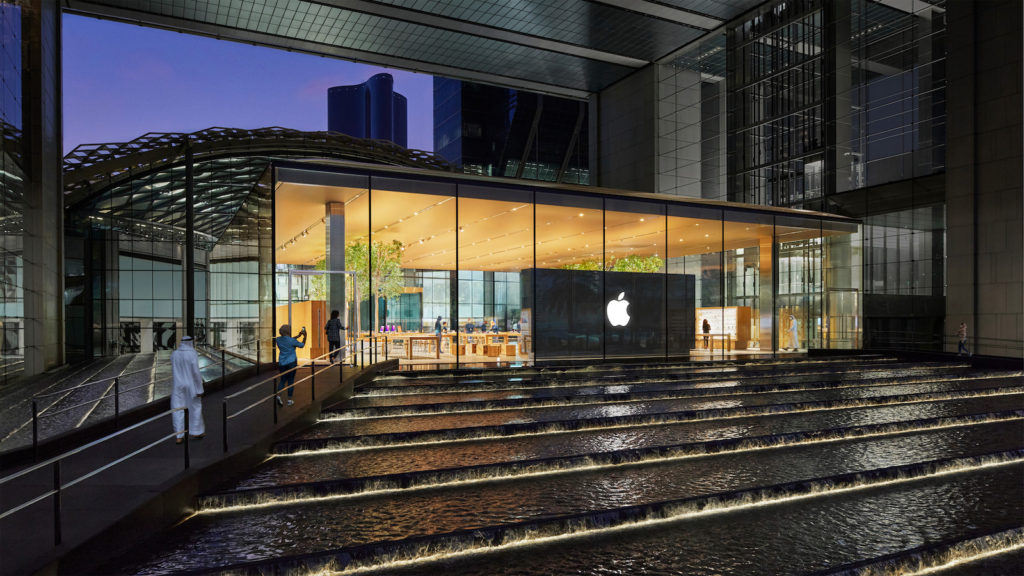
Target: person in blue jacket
(286,360)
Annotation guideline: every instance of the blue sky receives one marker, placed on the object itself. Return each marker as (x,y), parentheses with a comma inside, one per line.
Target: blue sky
(123,80)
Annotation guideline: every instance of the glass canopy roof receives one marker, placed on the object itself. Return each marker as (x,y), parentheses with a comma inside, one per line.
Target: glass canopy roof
(567,47)
(139,186)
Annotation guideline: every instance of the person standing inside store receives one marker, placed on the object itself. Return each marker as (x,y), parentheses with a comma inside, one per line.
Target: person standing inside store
(333,330)
(794,333)
(469,326)
(706,329)
(286,360)
(961,334)
(187,391)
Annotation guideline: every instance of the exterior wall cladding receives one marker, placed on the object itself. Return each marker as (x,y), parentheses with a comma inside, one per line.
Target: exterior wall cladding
(369,110)
(842,106)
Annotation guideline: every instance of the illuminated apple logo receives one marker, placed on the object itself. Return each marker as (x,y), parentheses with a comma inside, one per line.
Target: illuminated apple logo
(617,314)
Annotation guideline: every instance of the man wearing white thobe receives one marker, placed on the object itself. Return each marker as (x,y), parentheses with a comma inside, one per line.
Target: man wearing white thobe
(187,390)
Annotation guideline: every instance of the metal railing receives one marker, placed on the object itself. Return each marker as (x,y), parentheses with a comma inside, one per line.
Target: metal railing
(59,486)
(116,391)
(342,354)
(358,353)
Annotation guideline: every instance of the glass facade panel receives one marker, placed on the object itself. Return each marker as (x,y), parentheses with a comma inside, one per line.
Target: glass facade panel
(842,274)
(568,308)
(635,274)
(799,291)
(694,237)
(12,190)
(748,270)
(413,266)
(496,232)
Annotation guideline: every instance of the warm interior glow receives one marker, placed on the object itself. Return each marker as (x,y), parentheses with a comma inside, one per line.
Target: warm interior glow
(498,235)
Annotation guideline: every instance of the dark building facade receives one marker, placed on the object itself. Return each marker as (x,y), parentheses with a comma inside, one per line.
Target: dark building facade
(493,131)
(369,110)
(845,107)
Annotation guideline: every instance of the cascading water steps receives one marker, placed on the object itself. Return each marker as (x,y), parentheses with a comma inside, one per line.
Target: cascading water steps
(819,469)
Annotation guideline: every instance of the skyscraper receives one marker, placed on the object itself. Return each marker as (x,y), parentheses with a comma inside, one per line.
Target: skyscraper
(369,110)
(494,131)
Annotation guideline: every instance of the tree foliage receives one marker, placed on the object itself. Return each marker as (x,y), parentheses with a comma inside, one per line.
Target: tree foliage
(636,263)
(632,263)
(386,272)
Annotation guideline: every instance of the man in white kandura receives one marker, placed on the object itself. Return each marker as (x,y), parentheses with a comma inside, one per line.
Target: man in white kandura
(187,391)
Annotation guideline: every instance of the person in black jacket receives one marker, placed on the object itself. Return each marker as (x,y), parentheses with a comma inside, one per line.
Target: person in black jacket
(333,330)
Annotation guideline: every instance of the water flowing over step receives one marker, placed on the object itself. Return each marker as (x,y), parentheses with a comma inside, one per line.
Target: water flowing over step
(307,492)
(783,467)
(1013,393)
(438,401)
(405,418)
(381,555)
(396,389)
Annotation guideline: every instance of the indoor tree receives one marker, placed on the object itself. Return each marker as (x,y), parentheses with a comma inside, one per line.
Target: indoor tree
(384,262)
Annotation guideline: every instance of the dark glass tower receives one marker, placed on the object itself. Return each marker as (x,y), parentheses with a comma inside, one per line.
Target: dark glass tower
(369,110)
(496,131)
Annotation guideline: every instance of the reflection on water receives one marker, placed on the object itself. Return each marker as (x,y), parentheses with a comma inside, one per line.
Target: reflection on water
(814,535)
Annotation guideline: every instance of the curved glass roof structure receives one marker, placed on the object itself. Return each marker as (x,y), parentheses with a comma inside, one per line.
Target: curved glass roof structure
(566,47)
(140,186)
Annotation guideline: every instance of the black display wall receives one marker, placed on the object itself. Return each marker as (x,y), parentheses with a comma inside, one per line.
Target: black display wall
(578,314)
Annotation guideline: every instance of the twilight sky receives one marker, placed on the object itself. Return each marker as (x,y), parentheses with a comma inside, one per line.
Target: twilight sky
(122,80)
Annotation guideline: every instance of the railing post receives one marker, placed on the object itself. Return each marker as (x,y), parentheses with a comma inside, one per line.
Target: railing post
(117,402)
(273,389)
(312,382)
(385,347)
(257,357)
(186,442)
(35,430)
(57,532)
(223,368)
(224,423)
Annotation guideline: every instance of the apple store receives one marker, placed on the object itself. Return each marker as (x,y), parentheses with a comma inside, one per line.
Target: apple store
(455,270)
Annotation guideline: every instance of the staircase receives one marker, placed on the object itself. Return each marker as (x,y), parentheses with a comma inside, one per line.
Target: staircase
(811,466)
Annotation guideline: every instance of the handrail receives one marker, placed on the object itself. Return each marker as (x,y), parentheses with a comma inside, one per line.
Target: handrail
(294,384)
(74,451)
(342,353)
(38,415)
(58,485)
(91,382)
(275,377)
(104,396)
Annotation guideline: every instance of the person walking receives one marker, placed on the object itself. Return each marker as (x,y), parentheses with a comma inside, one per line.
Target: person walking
(187,391)
(961,334)
(286,360)
(794,333)
(333,330)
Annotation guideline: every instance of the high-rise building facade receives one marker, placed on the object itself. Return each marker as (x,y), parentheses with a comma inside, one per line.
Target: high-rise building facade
(843,107)
(493,131)
(369,110)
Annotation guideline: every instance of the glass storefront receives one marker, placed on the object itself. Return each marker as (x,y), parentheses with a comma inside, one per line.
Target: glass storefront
(457,270)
